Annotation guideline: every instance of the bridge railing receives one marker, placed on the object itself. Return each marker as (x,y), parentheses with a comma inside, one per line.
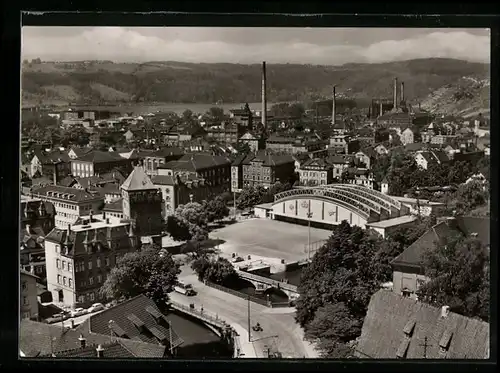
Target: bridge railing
(239,294)
(199,315)
(268,281)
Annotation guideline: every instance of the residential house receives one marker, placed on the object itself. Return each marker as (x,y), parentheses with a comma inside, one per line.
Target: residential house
(69,203)
(79,257)
(99,162)
(131,136)
(255,141)
(339,142)
(426,158)
(28,296)
(409,135)
(340,163)
(366,157)
(381,149)
(214,170)
(53,164)
(444,139)
(366,136)
(42,340)
(37,219)
(408,273)
(358,176)
(265,169)
(400,328)
(420,206)
(160,157)
(314,172)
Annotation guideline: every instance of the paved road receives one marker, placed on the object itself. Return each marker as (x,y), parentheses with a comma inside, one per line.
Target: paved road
(78,320)
(233,309)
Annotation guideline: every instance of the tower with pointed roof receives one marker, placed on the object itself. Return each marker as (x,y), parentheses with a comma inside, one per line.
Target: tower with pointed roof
(142,203)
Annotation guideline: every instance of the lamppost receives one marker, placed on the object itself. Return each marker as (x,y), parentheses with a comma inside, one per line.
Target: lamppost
(309,216)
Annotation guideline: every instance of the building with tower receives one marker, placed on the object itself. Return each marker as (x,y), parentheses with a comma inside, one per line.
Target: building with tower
(79,258)
(142,203)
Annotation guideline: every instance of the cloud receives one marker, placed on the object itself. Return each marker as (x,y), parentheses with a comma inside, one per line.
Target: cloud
(129,44)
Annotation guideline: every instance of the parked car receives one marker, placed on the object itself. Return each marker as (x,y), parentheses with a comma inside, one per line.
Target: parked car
(58,317)
(238,259)
(78,312)
(95,307)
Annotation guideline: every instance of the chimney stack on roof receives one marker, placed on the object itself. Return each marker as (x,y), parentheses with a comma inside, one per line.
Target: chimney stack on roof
(100,351)
(445,310)
(83,341)
(264,97)
(381,108)
(28,229)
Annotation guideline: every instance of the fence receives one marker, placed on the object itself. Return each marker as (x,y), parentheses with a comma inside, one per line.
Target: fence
(269,281)
(314,246)
(239,294)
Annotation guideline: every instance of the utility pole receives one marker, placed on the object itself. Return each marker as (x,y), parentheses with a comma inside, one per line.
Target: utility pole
(249,327)
(170,338)
(309,216)
(425,347)
(234,204)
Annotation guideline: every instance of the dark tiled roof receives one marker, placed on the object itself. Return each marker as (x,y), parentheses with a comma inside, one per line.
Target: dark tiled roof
(74,195)
(118,234)
(317,163)
(461,225)
(337,159)
(163,180)
(111,350)
(198,162)
(34,208)
(394,323)
(125,313)
(239,160)
(81,151)
(165,152)
(68,181)
(368,151)
(268,159)
(441,156)
(97,156)
(416,146)
(116,206)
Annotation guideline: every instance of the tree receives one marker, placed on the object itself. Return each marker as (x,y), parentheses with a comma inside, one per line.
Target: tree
(218,271)
(216,114)
(178,228)
(193,212)
(216,209)
(470,196)
(142,272)
(242,147)
(187,116)
(458,270)
(333,327)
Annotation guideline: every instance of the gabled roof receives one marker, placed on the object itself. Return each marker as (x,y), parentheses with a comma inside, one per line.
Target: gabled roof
(395,325)
(166,152)
(116,206)
(268,159)
(97,156)
(460,225)
(137,180)
(163,179)
(40,339)
(319,162)
(65,193)
(197,162)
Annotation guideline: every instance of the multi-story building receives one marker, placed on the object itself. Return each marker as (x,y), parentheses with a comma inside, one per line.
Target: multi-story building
(54,164)
(69,203)
(359,176)
(339,142)
(213,169)
(254,141)
(161,157)
(265,169)
(241,116)
(315,172)
(99,162)
(80,257)
(339,164)
(396,120)
(408,136)
(142,203)
(29,302)
(37,219)
(226,133)
(366,156)
(237,173)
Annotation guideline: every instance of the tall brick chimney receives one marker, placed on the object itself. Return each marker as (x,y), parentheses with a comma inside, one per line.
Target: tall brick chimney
(334,111)
(402,91)
(381,108)
(264,98)
(395,93)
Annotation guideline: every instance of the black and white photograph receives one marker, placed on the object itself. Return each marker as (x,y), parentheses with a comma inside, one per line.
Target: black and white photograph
(231,193)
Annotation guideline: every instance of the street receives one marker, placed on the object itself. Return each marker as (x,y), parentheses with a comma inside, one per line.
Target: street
(279,329)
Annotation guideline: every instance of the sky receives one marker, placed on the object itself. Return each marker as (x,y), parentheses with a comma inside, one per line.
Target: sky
(324,46)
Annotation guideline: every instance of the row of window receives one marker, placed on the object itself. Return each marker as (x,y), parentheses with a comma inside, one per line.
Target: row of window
(80,266)
(65,281)
(314,174)
(85,297)
(65,205)
(65,266)
(99,278)
(82,167)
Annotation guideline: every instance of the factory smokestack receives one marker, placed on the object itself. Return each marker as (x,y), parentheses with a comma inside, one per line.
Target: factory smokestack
(402,91)
(334,112)
(395,93)
(381,108)
(264,98)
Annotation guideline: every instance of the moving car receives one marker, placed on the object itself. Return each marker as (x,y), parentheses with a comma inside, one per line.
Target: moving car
(78,312)
(57,317)
(186,289)
(95,307)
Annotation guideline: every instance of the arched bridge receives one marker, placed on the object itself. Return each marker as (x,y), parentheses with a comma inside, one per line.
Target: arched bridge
(264,283)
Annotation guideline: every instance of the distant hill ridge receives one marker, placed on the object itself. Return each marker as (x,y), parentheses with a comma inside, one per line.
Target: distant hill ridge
(182,82)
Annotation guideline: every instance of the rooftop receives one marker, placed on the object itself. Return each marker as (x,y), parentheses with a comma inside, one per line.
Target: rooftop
(66,193)
(399,327)
(137,180)
(394,222)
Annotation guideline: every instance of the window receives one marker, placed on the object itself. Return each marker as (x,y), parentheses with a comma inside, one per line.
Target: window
(81,299)
(106,262)
(91,281)
(25,301)
(99,279)
(98,263)
(70,281)
(63,265)
(92,296)
(57,249)
(90,264)
(24,285)
(64,280)
(70,267)
(58,279)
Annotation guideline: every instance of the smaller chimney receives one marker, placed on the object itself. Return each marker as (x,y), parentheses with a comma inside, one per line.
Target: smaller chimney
(445,310)
(28,230)
(100,351)
(107,220)
(104,214)
(83,341)
(90,216)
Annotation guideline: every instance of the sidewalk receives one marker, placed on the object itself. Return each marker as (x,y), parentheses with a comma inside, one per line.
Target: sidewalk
(247,348)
